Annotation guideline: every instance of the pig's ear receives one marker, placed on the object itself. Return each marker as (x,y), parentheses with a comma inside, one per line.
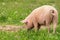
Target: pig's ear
(23,21)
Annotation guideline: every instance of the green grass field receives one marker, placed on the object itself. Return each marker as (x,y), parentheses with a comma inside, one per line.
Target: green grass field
(13,11)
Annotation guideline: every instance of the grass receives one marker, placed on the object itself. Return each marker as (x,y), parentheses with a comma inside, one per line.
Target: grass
(29,35)
(13,11)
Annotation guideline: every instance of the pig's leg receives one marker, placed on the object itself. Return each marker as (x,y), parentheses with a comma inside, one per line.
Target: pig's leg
(39,26)
(54,24)
(35,24)
(54,20)
(48,26)
(54,27)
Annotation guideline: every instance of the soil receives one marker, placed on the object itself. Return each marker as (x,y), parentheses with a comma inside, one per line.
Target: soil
(13,28)
(10,28)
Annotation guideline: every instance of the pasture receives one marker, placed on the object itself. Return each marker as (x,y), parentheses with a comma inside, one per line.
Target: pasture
(13,11)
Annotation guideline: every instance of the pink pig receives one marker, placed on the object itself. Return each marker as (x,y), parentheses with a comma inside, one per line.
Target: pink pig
(44,15)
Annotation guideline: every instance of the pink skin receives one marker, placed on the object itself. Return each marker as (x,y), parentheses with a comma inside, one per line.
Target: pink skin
(43,15)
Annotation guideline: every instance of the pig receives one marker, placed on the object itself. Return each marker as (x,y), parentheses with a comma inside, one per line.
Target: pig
(44,15)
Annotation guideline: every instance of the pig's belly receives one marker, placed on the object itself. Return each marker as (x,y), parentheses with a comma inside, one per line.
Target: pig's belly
(41,21)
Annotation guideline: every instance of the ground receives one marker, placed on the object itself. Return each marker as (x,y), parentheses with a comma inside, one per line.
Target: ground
(13,11)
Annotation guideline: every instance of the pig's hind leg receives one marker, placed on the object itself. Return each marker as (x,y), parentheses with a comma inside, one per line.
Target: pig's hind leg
(48,26)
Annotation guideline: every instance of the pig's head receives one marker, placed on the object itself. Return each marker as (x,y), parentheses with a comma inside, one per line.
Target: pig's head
(28,25)
(25,23)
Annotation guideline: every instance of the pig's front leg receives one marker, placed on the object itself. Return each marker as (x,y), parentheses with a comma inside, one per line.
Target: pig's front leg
(35,25)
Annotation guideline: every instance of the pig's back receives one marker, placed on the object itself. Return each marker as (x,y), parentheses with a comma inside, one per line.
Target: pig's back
(40,13)
(44,13)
